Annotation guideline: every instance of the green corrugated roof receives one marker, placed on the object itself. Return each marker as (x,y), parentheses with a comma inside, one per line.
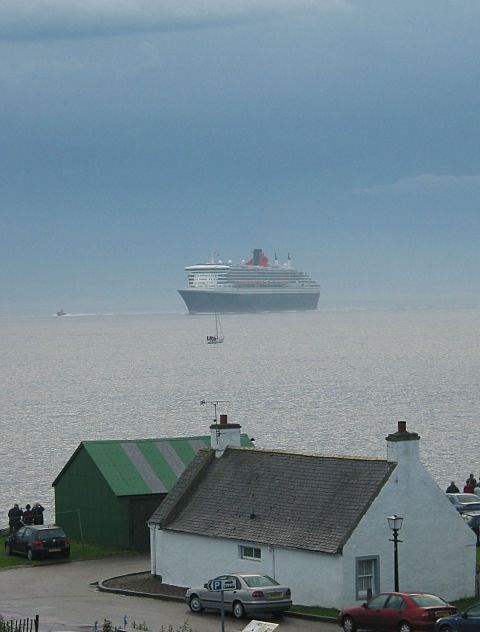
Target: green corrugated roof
(144,466)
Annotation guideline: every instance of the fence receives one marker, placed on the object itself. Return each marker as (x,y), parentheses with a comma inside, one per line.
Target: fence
(19,625)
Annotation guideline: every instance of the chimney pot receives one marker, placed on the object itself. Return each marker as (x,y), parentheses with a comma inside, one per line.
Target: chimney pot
(224,420)
(402,445)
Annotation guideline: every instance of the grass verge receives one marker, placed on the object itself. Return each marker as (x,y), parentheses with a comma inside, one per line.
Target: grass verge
(78,551)
(315,611)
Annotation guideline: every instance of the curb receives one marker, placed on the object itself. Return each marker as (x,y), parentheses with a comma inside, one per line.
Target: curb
(309,617)
(133,593)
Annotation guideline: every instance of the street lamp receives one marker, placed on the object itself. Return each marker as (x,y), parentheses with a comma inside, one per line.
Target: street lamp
(395,524)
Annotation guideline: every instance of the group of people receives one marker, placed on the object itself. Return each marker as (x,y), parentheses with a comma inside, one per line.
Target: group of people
(471,486)
(17,517)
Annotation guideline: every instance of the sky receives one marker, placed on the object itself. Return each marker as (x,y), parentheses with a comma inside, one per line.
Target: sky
(138,136)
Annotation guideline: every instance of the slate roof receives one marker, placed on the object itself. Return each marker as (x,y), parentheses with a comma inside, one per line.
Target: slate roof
(273,497)
(143,466)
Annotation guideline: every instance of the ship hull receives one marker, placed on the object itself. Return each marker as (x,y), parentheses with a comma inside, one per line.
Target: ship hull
(225,302)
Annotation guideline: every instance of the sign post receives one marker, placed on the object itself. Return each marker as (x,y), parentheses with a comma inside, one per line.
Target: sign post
(222,618)
(221,585)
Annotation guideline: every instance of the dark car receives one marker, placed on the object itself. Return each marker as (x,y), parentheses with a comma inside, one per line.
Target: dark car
(37,541)
(461,622)
(465,502)
(472,518)
(398,612)
(250,594)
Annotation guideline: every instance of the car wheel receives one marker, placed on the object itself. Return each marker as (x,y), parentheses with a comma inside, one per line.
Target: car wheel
(405,627)
(195,604)
(238,610)
(446,628)
(30,555)
(66,554)
(8,548)
(348,624)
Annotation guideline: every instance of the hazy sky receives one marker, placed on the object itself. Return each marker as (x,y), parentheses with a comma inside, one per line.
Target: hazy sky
(139,135)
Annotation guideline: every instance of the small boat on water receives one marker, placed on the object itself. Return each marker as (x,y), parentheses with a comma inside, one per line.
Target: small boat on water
(61,312)
(218,337)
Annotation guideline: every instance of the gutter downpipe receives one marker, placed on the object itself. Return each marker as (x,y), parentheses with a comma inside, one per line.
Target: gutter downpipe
(272,550)
(153,550)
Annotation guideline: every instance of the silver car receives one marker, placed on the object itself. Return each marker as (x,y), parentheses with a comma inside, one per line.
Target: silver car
(465,502)
(251,594)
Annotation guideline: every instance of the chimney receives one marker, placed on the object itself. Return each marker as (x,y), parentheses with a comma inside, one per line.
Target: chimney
(224,434)
(403,445)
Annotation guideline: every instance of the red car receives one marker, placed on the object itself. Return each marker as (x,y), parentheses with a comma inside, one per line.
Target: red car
(399,612)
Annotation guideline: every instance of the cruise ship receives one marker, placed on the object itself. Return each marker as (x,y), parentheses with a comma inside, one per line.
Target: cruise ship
(252,286)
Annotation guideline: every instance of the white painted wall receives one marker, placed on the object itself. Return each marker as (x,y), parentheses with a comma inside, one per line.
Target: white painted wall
(315,578)
(438,550)
(186,560)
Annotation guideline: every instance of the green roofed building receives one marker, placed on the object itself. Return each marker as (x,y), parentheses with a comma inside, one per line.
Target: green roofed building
(108,490)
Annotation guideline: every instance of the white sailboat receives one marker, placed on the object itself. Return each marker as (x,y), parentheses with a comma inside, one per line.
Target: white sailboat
(218,337)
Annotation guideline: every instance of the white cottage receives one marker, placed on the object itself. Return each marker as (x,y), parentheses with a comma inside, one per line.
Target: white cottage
(316,523)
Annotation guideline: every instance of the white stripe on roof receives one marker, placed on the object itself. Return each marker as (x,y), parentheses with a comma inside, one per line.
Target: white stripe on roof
(171,457)
(197,444)
(144,468)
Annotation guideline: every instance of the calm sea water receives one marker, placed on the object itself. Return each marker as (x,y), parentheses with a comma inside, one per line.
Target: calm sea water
(329,382)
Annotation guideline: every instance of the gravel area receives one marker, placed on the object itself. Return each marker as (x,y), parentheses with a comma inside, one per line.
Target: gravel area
(145,583)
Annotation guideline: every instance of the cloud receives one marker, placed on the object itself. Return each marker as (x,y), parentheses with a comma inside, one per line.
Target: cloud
(425,184)
(43,19)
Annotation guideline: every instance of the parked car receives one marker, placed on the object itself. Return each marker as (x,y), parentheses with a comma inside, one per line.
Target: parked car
(398,612)
(465,502)
(251,594)
(36,541)
(472,518)
(468,621)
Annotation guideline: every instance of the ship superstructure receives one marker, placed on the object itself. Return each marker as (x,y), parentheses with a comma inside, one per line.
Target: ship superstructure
(252,286)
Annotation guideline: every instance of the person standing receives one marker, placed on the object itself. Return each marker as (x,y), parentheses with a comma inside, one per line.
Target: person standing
(28,515)
(452,488)
(37,513)
(472,480)
(15,518)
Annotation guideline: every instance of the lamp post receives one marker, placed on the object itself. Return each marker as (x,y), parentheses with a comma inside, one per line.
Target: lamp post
(395,524)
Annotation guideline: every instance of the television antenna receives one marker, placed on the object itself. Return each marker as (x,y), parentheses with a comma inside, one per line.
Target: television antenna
(214,403)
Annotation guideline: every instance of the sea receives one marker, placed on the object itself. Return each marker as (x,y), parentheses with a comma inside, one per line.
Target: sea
(331,381)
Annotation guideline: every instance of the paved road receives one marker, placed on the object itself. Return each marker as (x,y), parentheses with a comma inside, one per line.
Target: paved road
(65,598)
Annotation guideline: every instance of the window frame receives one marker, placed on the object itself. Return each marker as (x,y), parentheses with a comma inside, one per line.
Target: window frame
(361,594)
(252,558)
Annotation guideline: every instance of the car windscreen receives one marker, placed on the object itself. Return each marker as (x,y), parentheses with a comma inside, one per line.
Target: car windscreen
(254,581)
(47,534)
(427,601)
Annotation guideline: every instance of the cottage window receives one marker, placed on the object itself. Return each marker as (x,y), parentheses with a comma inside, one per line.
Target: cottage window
(367,577)
(250,553)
